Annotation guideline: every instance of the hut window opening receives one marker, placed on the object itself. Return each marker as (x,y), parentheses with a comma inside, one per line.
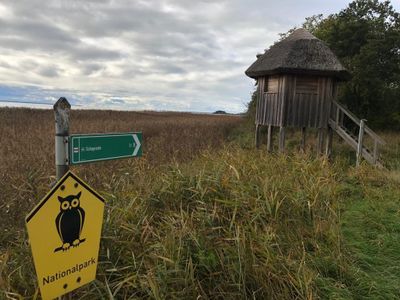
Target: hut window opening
(272,84)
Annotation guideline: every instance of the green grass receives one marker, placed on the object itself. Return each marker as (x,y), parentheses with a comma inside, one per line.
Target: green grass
(371,229)
(369,225)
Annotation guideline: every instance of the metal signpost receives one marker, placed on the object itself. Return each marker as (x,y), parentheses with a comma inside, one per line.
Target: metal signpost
(65,227)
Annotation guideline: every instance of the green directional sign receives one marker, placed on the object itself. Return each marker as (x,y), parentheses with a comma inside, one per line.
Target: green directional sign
(85,148)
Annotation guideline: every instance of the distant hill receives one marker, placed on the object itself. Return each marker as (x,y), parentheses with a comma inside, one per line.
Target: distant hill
(220,112)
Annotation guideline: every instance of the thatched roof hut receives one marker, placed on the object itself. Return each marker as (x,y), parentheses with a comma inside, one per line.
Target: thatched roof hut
(299,53)
(297,83)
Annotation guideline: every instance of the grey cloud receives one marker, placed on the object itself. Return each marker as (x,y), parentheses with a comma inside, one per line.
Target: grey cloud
(24,35)
(199,46)
(136,18)
(29,64)
(177,54)
(14,43)
(37,31)
(91,53)
(91,68)
(171,69)
(4,64)
(49,71)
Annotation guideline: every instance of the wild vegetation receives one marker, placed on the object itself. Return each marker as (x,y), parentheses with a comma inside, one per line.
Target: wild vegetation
(27,148)
(210,216)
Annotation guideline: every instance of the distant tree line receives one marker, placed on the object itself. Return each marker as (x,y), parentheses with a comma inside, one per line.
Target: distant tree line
(365,36)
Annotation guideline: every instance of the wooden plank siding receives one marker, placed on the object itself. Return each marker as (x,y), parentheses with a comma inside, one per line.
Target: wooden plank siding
(306,84)
(295,101)
(260,92)
(272,104)
(269,106)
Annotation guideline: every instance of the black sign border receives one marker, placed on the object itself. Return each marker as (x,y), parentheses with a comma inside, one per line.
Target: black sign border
(53,190)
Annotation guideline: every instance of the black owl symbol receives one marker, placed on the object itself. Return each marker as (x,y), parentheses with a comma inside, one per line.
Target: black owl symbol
(69,222)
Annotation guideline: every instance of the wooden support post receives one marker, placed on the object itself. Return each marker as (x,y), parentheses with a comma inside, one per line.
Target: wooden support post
(281,139)
(376,152)
(360,142)
(337,117)
(61,115)
(320,140)
(341,119)
(258,127)
(269,138)
(329,143)
(303,139)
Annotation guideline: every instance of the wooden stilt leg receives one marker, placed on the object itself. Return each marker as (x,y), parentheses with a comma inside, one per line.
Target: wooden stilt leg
(320,140)
(376,152)
(360,142)
(303,139)
(329,143)
(281,139)
(258,135)
(269,138)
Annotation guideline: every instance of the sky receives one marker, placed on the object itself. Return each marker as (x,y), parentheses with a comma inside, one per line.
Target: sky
(168,55)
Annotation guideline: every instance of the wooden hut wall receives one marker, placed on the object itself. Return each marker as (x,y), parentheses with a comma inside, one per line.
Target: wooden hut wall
(270,104)
(308,101)
(294,101)
(260,100)
(326,92)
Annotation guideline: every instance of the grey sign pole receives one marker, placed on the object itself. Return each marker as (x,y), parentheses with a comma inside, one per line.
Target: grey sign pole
(61,115)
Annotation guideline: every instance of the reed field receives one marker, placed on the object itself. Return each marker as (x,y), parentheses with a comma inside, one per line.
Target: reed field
(27,148)
(204,215)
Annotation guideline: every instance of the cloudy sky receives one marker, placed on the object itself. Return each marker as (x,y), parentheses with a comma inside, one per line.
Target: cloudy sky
(181,55)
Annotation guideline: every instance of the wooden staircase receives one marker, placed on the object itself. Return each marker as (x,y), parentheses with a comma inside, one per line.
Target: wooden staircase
(340,120)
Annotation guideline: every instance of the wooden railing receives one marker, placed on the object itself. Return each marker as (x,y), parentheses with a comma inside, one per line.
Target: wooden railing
(336,122)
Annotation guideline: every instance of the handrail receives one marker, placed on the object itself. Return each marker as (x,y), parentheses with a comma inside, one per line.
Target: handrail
(358,121)
(352,116)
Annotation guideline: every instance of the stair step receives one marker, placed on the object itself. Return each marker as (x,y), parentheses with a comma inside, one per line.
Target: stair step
(350,133)
(355,138)
(352,140)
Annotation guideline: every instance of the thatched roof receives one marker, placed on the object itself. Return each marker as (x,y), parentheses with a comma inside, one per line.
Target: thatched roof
(299,53)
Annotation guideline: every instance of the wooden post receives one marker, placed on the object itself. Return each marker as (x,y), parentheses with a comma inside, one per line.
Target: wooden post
(320,142)
(360,142)
(341,119)
(258,127)
(303,139)
(61,115)
(376,153)
(269,138)
(281,139)
(329,143)
(337,117)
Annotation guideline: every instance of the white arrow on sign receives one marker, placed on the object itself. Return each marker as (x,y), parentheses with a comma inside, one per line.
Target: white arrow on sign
(137,144)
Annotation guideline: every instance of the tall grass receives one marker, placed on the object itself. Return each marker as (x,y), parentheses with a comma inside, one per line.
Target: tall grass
(231,224)
(27,150)
(207,218)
